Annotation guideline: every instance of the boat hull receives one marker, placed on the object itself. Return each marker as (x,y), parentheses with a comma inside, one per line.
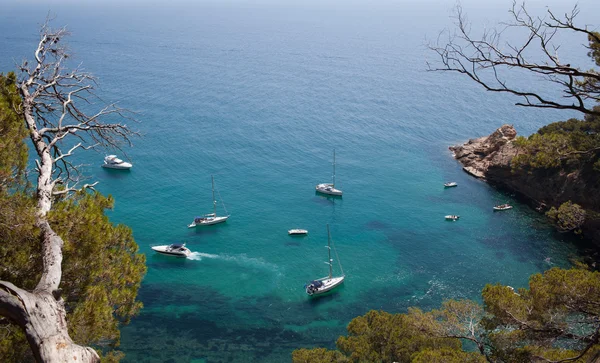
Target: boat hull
(328,189)
(118,167)
(501,209)
(164,250)
(328,285)
(297,232)
(208,221)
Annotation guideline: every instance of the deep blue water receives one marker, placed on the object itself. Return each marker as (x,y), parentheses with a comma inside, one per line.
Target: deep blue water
(259,95)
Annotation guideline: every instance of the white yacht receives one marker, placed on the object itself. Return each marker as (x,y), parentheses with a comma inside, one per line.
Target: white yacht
(176,249)
(324,284)
(450,184)
(211,218)
(452,217)
(113,162)
(329,188)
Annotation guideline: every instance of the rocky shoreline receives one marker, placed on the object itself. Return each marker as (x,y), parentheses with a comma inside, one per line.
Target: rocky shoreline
(490,157)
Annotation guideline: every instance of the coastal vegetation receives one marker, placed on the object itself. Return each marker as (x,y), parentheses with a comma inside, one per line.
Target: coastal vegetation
(557,319)
(69,277)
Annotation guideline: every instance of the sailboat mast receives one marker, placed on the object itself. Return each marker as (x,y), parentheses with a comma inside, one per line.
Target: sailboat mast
(213,195)
(334,168)
(329,252)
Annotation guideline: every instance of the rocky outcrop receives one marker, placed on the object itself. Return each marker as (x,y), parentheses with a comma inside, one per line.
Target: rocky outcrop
(477,155)
(490,158)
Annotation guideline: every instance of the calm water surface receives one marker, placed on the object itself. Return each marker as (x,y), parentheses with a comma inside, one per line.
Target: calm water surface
(259,95)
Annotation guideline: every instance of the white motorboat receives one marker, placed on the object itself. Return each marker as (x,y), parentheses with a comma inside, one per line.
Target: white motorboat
(297,232)
(452,217)
(176,249)
(211,218)
(450,184)
(324,284)
(329,188)
(503,207)
(113,162)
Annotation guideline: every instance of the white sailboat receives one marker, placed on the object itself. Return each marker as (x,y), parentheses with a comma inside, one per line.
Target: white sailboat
(210,218)
(324,284)
(329,188)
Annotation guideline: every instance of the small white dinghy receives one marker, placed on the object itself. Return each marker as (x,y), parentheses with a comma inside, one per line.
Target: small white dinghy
(503,207)
(452,217)
(450,184)
(297,232)
(113,162)
(176,249)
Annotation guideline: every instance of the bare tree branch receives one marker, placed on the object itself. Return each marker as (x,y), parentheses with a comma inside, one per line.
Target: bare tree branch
(484,60)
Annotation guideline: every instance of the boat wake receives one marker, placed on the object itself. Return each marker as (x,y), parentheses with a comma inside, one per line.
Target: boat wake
(198,256)
(238,259)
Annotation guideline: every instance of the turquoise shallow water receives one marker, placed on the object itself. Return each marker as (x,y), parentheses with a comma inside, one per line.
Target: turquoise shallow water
(259,96)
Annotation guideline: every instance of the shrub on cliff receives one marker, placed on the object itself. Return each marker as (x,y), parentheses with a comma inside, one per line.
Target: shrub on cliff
(568,217)
(569,145)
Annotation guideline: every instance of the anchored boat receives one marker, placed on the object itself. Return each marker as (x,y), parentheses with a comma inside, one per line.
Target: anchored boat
(324,284)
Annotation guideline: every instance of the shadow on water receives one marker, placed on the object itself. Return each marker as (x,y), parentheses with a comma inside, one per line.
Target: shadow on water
(160,261)
(327,199)
(376,225)
(116,174)
(331,295)
(209,230)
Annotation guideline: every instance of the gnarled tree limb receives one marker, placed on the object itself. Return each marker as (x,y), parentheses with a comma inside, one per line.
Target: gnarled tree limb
(51,114)
(484,59)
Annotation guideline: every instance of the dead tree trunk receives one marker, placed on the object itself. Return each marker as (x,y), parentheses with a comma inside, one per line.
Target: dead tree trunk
(48,96)
(41,315)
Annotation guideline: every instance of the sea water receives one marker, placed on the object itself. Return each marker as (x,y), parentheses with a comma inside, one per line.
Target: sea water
(259,95)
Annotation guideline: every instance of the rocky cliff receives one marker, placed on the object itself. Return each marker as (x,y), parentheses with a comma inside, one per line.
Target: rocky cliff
(490,158)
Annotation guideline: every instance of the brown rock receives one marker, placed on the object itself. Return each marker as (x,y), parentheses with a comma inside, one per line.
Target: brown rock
(478,154)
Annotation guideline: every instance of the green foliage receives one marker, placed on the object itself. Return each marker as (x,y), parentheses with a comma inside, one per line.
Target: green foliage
(318,355)
(568,217)
(13,346)
(566,144)
(447,356)
(20,249)
(13,150)
(594,52)
(380,337)
(557,318)
(102,269)
(101,291)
